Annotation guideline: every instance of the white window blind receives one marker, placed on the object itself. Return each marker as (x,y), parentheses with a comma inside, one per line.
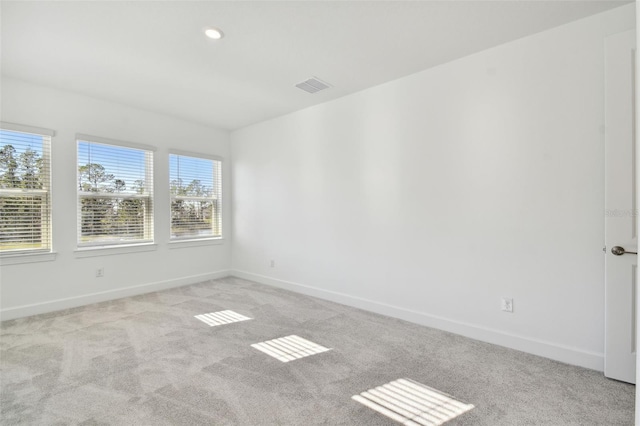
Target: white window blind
(196,197)
(115,193)
(25,191)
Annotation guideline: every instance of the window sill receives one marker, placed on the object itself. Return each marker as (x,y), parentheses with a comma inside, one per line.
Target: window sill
(16,259)
(178,244)
(113,250)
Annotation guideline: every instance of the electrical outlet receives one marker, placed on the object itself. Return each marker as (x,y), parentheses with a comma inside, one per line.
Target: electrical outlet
(99,272)
(507,304)
(272,263)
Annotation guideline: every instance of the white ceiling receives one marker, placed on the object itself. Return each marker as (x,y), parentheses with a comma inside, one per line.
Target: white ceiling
(153,55)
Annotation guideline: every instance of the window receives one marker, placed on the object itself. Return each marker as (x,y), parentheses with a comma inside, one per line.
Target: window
(115,192)
(25,189)
(196,203)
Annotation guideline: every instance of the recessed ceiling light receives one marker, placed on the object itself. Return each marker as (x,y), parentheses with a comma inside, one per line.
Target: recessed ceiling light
(214,33)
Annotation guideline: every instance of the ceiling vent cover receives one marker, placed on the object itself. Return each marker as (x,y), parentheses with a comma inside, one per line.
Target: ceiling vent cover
(313,85)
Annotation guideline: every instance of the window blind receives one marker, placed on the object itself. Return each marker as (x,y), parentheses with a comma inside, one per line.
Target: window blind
(25,191)
(196,197)
(115,194)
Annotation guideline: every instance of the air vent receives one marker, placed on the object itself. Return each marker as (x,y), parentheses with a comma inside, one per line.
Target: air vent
(313,85)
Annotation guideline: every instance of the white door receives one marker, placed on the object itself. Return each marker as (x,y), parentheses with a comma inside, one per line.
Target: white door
(621,233)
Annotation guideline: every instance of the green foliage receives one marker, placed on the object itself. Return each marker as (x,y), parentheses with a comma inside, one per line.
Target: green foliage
(194,189)
(112,218)
(119,218)
(138,185)
(93,177)
(191,217)
(30,166)
(21,221)
(24,171)
(21,217)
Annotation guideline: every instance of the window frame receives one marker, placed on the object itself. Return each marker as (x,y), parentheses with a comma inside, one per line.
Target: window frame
(148,228)
(216,199)
(16,256)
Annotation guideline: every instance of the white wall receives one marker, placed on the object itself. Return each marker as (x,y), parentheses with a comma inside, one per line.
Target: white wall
(637,118)
(70,281)
(431,197)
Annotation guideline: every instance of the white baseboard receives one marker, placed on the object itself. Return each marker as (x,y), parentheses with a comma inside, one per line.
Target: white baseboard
(546,349)
(103,296)
(542,348)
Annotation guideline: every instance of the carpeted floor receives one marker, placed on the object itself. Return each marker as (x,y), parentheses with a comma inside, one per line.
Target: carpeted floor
(146,360)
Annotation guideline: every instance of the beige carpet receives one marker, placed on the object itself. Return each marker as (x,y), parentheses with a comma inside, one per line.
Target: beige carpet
(147,360)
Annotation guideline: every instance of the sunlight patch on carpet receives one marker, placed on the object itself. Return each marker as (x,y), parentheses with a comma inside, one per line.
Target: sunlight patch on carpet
(289,348)
(412,403)
(222,317)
